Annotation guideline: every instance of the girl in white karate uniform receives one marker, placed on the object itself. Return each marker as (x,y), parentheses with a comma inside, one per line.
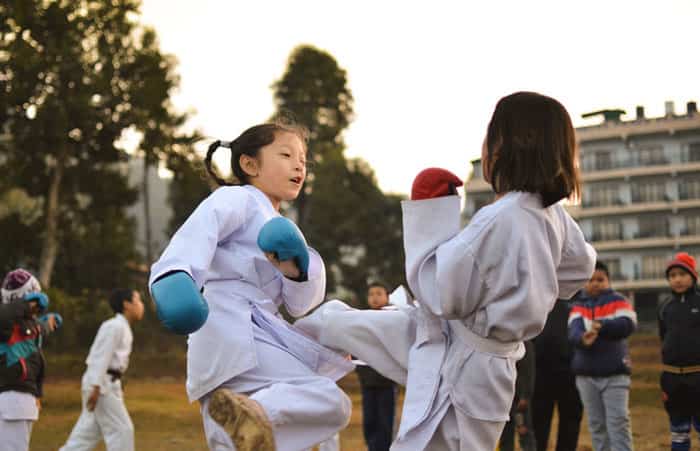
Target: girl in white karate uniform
(245,346)
(481,290)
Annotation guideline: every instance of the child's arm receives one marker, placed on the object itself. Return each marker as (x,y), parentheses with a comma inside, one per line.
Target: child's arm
(577,261)
(101,353)
(178,276)
(577,326)
(192,247)
(622,324)
(301,297)
(9,315)
(441,271)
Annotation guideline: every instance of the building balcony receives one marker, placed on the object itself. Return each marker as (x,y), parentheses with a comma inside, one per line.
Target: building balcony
(580,211)
(626,171)
(646,243)
(639,284)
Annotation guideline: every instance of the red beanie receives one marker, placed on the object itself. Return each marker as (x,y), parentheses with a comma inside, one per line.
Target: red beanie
(685,261)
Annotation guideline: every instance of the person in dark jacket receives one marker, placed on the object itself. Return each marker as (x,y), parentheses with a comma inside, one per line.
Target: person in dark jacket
(679,328)
(599,324)
(555,384)
(378,392)
(521,411)
(21,360)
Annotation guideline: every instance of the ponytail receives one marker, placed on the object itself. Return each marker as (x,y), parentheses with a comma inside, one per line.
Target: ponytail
(207,162)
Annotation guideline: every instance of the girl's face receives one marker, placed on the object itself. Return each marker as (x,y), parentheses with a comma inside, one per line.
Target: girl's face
(680,280)
(280,168)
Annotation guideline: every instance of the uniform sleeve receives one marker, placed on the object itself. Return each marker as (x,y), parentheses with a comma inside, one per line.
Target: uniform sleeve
(301,297)
(101,353)
(192,247)
(577,260)
(440,268)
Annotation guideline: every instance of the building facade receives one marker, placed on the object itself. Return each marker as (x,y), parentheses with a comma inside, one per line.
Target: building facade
(640,202)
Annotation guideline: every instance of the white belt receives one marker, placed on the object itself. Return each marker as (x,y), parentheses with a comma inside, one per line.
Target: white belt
(513,349)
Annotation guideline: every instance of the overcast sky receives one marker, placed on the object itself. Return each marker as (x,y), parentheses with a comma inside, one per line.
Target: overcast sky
(426,75)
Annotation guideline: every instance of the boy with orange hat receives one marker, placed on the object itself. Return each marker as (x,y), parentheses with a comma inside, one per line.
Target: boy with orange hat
(679,328)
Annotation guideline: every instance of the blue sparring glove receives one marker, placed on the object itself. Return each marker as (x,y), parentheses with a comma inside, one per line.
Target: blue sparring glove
(57,318)
(179,304)
(282,237)
(41,299)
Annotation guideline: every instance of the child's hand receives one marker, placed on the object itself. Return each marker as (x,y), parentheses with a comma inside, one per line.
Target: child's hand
(596,325)
(522,405)
(287,267)
(589,337)
(92,400)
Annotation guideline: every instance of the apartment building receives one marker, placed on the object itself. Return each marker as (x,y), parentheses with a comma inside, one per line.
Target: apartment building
(641,195)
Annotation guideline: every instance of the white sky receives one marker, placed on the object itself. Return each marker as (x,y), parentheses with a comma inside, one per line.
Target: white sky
(426,75)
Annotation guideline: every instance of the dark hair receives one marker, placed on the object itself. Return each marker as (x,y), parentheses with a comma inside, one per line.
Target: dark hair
(378,284)
(531,146)
(117,298)
(600,266)
(249,143)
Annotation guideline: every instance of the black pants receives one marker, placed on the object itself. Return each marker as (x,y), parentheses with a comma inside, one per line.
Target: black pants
(560,389)
(518,419)
(378,407)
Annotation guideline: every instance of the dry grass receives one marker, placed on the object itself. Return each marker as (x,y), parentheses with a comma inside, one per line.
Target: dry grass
(164,420)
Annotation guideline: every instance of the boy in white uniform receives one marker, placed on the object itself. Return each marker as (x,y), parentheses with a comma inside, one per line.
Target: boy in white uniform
(483,290)
(104,415)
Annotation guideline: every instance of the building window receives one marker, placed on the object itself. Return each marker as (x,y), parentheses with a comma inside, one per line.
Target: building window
(653,226)
(692,224)
(603,160)
(651,155)
(602,195)
(689,189)
(649,191)
(653,266)
(694,151)
(607,230)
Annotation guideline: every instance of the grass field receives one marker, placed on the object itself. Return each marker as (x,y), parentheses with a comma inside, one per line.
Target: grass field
(164,420)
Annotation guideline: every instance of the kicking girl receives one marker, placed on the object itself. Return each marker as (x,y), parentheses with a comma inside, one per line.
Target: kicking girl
(482,290)
(262,385)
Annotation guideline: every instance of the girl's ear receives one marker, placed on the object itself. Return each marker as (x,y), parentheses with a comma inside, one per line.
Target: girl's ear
(250,165)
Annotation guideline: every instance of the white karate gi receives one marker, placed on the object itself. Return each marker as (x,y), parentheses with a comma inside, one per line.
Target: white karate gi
(482,291)
(18,412)
(245,344)
(109,420)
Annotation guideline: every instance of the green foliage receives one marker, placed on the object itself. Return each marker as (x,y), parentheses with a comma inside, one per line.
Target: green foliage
(342,211)
(74,78)
(188,188)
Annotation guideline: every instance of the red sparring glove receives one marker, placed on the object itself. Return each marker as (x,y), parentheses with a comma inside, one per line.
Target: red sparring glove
(434,182)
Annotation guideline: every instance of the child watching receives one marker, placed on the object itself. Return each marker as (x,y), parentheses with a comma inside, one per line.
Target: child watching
(599,324)
(679,328)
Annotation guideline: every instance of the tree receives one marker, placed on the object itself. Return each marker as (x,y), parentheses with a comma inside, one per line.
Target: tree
(342,211)
(188,188)
(313,90)
(152,80)
(73,77)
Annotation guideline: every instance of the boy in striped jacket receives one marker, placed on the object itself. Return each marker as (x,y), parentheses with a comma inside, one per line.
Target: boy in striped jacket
(599,324)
